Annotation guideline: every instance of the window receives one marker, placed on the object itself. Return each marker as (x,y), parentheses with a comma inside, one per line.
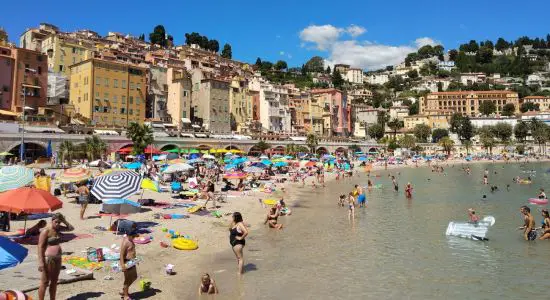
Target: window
(85,96)
(39,57)
(130,111)
(115,83)
(107,82)
(131,100)
(106,96)
(184,93)
(132,85)
(97,80)
(115,99)
(138,86)
(74,50)
(105,109)
(96,108)
(122,110)
(123,101)
(138,100)
(60,68)
(123,84)
(74,60)
(39,70)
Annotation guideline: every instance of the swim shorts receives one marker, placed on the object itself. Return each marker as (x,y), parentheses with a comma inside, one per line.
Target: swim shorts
(532,235)
(361,198)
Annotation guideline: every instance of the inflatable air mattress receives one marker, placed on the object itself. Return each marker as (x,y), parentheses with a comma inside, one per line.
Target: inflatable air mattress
(474,231)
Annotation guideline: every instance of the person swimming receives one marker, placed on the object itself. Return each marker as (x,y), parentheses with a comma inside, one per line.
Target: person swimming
(473,218)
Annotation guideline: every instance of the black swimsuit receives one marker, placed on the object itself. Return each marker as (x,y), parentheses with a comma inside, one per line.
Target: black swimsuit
(233,234)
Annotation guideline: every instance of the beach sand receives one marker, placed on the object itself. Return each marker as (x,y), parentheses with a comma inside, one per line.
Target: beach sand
(210,232)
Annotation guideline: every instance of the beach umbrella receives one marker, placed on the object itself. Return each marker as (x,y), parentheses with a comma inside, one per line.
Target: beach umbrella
(120,206)
(288,157)
(234,175)
(208,156)
(133,166)
(362,158)
(194,161)
(74,175)
(253,169)
(259,165)
(49,149)
(126,150)
(116,185)
(328,156)
(280,164)
(267,162)
(172,156)
(229,167)
(148,184)
(11,253)
(12,177)
(310,164)
(182,167)
(222,151)
(276,156)
(176,150)
(5,154)
(28,200)
(236,151)
(264,157)
(159,157)
(191,151)
(239,160)
(176,161)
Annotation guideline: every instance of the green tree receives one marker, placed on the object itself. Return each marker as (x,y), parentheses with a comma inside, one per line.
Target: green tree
(529,106)
(487,108)
(447,144)
(468,145)
(214,46)
(141,136)
(328,71)
(503,131)
(141,37)
(508,110)
(438,134)
(408,141)
(301,149)
(422,132)
(258,63)
(312,142)
(382,117)
(262,146)
(413,109)
(290,149)
(227,52)
(337,79)
(453,54)
(487,137)
(315,64)
(395,125)
(540,135)
(376,131)
(521,131)
(354,148)
(412,74)
(281,65)
(158,36)
(502,44)
(462,126)
(95,147)
(66,149)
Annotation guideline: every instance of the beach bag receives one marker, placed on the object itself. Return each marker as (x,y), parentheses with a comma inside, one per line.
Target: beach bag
(145,285)
(95,255)
(57,192)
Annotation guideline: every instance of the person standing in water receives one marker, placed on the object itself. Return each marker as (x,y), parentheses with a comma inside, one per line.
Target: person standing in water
(395,185)
(237,235)
(408,190)
(472,216)
(529,232)
(361,197)
(351,206)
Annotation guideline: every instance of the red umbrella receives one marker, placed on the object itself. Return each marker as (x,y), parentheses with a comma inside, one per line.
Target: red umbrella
(310,164)
(28,200)
(126,150)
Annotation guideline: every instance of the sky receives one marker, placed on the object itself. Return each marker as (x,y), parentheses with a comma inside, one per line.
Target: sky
(365,34)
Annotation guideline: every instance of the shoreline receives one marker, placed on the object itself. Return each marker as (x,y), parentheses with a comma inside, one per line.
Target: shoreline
(212,234)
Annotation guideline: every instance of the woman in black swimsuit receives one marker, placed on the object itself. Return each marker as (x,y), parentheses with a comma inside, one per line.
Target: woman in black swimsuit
(237,233)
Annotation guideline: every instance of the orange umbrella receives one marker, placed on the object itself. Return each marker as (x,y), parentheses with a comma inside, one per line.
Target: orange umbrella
(29,200)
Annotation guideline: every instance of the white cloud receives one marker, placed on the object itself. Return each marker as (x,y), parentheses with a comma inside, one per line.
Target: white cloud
(355,30)
(281,53)
(361,54)
(322,36)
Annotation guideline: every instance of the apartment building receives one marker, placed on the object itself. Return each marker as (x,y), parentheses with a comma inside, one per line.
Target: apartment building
(178,105)
(354,76)
(64,51)
(32,38)
(239,103)
(214,105)
(274,105)
(466,102)
(157,95)
(336,113)
(542,101)
(108,93)
(433,121)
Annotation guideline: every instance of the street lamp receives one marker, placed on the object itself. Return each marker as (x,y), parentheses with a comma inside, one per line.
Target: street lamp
(23,109)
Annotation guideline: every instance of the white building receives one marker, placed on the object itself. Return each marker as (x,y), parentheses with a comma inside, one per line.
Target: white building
(480,122)
(274,105)
(534,79)
(446,65)
(58,88)
(354,76)
(398,112)
(471,78)
(377,78)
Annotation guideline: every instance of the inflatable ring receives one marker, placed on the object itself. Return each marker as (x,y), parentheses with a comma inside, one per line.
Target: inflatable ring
(194,209)
(270,202)
(525,182)
(143,240)
(538,201)
(184,244)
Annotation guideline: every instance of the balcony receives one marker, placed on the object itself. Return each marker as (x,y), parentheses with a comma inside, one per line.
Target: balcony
(274,112)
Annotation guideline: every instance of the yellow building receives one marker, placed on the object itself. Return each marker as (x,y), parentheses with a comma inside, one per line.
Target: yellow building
(316,113)
(434,121)
(64,51)
(410,122)
(467,102)
(108,92)
(542,101)
(240,103)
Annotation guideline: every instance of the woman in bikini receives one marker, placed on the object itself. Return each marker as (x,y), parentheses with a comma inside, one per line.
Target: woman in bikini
(545,225)
(49,255)
(127,262)
(83,198)
(351,206)
(237,235)
(272,217)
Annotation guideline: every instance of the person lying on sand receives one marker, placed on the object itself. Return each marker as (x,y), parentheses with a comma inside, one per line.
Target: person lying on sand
(207,286)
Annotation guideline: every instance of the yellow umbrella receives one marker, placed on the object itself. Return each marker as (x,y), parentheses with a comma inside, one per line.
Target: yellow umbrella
(236,151)
(221,151)
(148,184)
(212,150)
(109,171)
(176,161)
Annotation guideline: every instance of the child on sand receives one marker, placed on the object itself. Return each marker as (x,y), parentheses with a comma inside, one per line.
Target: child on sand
(207,286)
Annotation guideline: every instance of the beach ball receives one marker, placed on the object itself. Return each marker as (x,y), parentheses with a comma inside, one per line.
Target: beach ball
(164,229)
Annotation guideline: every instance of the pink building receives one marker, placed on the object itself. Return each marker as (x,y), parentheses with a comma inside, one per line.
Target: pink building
(336,113)
(6,77)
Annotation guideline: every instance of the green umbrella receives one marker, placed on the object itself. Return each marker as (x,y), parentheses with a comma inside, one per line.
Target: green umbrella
(176,150)
(194,151)
(12,177)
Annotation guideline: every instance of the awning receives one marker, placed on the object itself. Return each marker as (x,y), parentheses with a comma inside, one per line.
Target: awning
(156,125)
(105,132)
(195,126)
(76,122)
(160,134)
(200,135)
(185,120)
(43,129)
(8,113)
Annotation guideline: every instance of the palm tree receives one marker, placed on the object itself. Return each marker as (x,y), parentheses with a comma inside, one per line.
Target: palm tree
(395,125)
(468,145)
(290,149)
(312,142)
(66,149)
(95,147)
(141,136)
(447,144)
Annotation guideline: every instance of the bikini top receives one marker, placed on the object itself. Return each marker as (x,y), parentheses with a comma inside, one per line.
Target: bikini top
(53,240)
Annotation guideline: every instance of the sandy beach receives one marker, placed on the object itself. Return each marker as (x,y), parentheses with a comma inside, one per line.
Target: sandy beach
(210,232)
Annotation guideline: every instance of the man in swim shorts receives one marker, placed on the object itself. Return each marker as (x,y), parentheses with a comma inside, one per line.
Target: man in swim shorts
(529,232)
(361,198)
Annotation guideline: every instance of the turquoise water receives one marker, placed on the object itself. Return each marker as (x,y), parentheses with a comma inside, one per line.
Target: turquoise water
(397,248)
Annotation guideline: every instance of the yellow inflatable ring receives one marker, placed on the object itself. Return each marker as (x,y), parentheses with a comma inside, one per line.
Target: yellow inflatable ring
(270,202)
(194,209)
(184,244)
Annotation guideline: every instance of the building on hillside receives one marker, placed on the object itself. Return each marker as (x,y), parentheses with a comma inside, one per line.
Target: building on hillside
(354,76)
(274,105)
(108,93)
(316,123)
(64,51)
(239,104)
(3,37)
(471,78)
(299,104)
(542,116)
(25,71)
(360,94)
(157,95)
(179,99)
(466,102)
(32,38)
(446,65)
(542,101)
(535,79)
(377,78)
(58,89)
(342,69)
(490,121)
(410,122)
(214,106)
(323,80)
(398,112)
(336,113)
(363,116)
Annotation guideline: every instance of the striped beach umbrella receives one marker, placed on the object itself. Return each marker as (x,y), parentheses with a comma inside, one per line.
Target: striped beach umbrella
(236,175)
(12,177)
(253,169)
(117,185)
(74,175)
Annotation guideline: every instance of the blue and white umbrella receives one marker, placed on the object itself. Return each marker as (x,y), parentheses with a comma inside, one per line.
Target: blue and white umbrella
(12,177)
(117,185)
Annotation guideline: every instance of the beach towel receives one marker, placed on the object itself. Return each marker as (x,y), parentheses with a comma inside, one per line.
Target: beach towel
(65,237)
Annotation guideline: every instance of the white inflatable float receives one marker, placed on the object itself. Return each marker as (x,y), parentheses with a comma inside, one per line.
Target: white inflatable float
(474,231)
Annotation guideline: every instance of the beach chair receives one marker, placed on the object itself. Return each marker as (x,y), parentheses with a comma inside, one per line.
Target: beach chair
(176,187)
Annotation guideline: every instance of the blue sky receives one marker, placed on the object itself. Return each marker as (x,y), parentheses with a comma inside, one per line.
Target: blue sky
(366,34)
